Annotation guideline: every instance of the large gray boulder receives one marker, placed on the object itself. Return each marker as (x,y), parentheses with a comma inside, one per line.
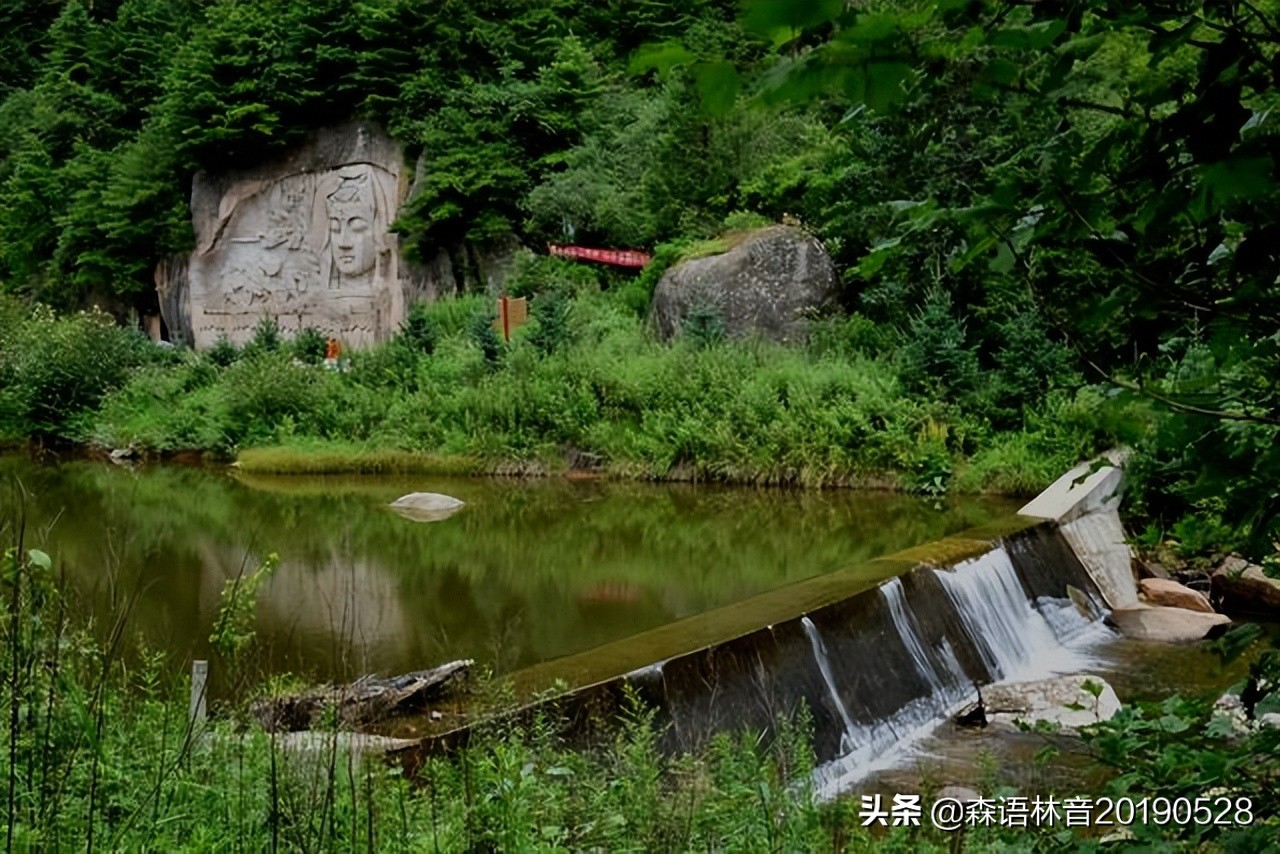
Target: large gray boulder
(769,283)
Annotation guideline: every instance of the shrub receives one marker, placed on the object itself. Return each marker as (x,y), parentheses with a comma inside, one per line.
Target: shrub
(551,329)
(263,390)
(54,370)
(223,352)
(420,331)
(484,336)
(309,346)
(536,274)
(703,325)
(266,337)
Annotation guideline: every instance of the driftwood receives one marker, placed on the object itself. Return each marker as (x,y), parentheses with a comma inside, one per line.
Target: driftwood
(976,714)
(367,701)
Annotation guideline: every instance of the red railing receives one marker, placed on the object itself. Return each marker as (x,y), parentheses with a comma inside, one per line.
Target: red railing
(632,258)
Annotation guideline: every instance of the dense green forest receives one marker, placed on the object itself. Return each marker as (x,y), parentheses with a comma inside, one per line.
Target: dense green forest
(1053,224)
(1056,230)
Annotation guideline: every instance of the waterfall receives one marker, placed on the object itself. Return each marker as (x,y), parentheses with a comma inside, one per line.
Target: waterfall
(1013,634)
(849,739)
(1017,637)
(946,682)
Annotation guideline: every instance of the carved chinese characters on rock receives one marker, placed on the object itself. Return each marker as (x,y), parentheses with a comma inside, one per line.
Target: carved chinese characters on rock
(310,249)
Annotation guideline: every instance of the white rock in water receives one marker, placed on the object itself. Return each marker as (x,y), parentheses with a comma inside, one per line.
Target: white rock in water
(1054,700)
(1170,625)
(426,506)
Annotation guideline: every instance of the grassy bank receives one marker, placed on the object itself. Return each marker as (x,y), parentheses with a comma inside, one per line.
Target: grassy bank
(339,458)
(98,755)
(583,386)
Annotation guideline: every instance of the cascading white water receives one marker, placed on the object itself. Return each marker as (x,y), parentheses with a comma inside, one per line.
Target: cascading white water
(848,739)
(943,681)
(1015,637)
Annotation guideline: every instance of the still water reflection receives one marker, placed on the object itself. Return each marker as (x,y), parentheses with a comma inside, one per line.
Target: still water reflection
(526,571)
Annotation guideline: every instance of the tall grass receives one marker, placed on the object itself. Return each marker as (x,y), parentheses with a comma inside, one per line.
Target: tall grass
(588,383)
(97,755)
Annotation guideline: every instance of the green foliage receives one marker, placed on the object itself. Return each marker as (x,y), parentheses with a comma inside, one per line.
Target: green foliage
(1186,748)
(585,374)
(233,626)
(419,331)
(551,330)
(1110,160)
(535,274)
(638,293)
(223,352)
(309,346)
(484,336)
(935,356)
(703,325)
(266,337)
(54,370)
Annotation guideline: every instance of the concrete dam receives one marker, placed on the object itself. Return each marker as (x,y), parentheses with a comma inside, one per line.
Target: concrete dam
(874,664)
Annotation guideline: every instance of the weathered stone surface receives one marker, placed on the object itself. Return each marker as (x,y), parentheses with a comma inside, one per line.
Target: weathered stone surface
(1051,700)
(1243,586)
(1171,625)
(1167,592)
(769,283)
(1085,503)
(305,239)
(426,506)
(1148,569)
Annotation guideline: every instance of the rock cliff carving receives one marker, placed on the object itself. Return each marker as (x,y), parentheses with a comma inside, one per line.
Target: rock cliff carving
(309,249)
(306,239)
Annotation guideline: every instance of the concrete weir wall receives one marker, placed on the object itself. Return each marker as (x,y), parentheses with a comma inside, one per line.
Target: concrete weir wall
(871,661)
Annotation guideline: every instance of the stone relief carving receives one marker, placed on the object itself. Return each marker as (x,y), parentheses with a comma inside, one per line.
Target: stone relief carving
(306,239)
(309,249)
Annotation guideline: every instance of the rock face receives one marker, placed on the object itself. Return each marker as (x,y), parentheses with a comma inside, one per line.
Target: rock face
(306,240)
(1149,569)
(1171,625)
(1085,502)
(768,284)
(1167,592)
(426,506)
(1243,586)
(1052,700)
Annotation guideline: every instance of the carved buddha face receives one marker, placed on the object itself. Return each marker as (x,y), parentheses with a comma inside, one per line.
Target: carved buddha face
(351,230)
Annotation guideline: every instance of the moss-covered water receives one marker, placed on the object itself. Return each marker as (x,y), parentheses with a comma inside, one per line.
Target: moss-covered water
(526,572)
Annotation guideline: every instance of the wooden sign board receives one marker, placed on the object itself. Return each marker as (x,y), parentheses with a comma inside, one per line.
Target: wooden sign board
(512,314)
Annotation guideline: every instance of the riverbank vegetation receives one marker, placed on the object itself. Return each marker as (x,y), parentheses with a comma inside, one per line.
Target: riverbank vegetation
(99,752)
(1035,211)
(588,389)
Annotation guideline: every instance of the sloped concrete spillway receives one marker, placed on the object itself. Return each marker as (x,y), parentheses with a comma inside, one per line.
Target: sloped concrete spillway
(872,665)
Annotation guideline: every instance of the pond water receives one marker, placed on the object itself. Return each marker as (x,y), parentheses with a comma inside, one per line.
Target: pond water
(527,571)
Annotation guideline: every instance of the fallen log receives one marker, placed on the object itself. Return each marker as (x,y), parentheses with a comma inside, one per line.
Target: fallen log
(367,701)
